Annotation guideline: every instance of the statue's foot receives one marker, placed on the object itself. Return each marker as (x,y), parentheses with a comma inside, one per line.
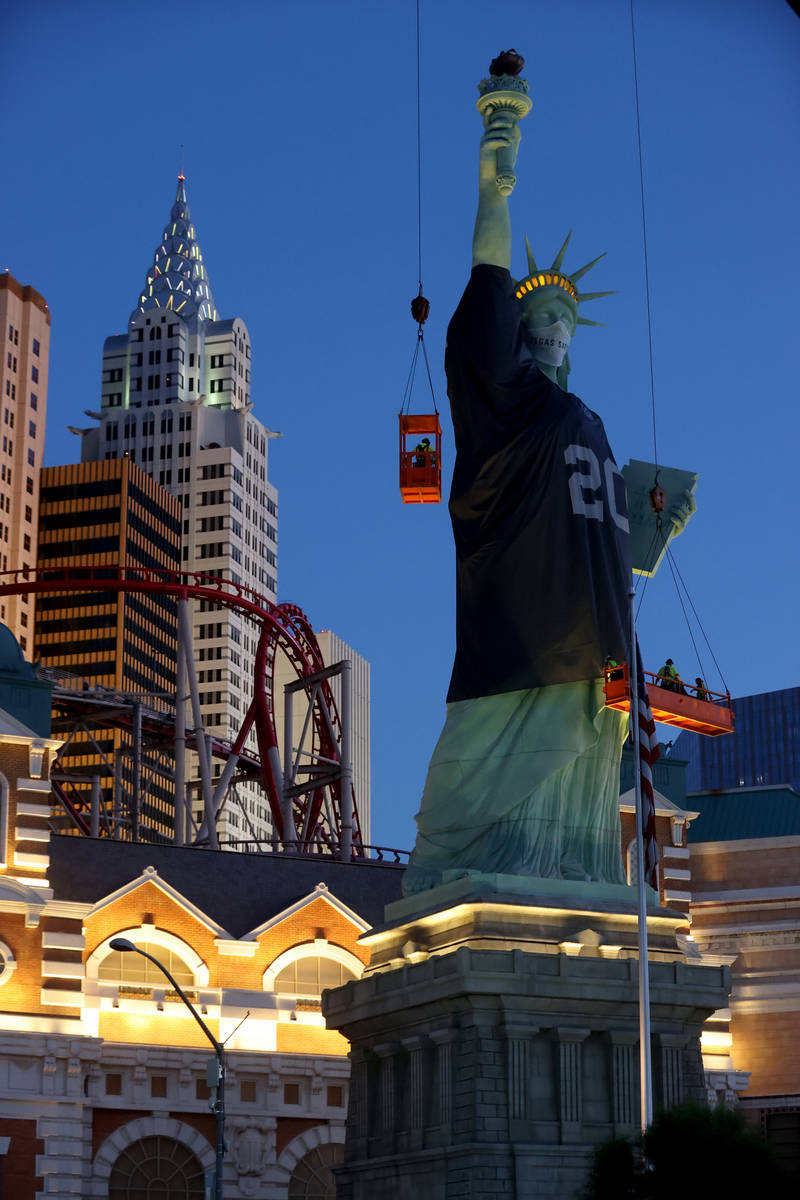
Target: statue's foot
(572,869)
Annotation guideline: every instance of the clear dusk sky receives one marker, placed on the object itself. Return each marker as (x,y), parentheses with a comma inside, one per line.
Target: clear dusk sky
(298,121)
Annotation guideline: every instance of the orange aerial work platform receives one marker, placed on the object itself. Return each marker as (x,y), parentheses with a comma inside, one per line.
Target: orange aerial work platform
(712,716)
(420,468)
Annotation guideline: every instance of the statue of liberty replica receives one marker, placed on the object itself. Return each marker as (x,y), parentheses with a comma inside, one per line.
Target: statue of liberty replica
(525,777)
(495,1033)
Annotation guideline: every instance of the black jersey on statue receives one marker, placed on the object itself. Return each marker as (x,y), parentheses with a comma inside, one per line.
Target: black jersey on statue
(538,511)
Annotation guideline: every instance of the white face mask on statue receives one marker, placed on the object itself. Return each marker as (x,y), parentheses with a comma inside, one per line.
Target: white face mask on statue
(549,343)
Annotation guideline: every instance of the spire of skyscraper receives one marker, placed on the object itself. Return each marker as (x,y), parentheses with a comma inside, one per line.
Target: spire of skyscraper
(177,280)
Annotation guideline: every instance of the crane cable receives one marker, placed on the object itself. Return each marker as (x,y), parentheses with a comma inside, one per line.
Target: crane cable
(646,292)
(419,166)
(678,577)
(673,566)
(420,307)
(644,245)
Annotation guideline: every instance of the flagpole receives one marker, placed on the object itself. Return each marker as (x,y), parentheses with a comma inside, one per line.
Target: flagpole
(645,1064)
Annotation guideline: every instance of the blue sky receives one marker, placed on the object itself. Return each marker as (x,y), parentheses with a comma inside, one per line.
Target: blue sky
(299,126)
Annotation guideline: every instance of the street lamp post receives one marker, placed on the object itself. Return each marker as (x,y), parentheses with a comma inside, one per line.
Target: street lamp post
(125,946)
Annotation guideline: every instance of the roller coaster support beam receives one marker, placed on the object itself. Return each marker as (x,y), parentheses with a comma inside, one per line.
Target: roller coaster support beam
(312,808)
(328,777)
(182,816)
(116,823)
(231,763)
(346,762)
(185,635)
(271,768)
(289,832)
(94,826)
(136,774)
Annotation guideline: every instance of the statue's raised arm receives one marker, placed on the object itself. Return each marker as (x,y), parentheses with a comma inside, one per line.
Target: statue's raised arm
(503,102)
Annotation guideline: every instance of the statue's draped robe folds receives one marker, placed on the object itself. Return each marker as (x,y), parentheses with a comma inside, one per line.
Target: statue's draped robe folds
(525,777)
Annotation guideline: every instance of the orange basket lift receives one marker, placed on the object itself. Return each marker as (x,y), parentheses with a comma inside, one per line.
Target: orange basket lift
(712,716)
(420,470)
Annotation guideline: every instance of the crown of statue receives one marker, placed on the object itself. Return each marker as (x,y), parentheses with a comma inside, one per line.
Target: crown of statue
(554,277)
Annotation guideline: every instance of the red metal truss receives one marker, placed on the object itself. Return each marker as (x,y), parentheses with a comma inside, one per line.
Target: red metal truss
(283,625)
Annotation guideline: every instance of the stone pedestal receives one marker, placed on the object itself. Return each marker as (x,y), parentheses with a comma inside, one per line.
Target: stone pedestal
(495,1040)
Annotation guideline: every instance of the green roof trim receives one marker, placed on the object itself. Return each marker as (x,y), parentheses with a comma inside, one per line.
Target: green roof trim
(745,813)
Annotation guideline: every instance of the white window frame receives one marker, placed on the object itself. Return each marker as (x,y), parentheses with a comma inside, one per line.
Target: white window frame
(148,933)
(319,948)
(9,963)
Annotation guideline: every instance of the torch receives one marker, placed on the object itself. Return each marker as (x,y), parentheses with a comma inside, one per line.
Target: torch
(504,90)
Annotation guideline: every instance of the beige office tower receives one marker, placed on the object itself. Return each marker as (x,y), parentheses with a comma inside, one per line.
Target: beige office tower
(334,650)
(25,334)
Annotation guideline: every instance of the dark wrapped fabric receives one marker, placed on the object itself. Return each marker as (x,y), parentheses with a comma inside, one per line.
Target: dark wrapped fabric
(538,511)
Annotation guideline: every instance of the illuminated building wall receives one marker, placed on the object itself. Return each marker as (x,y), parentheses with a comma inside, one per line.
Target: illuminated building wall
(108,514)
(176,398)
(99,1054)
(24,355)
(745,865)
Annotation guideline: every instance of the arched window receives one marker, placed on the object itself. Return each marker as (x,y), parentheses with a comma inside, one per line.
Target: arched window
(120,966)
(8,964)
(157,1168)
(312,1178)
(309,976)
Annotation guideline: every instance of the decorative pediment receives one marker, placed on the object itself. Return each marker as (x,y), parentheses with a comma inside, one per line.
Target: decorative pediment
(150,875)
(664,806)
(320,892)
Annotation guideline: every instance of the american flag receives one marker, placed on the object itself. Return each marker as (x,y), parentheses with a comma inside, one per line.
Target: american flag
(649,753)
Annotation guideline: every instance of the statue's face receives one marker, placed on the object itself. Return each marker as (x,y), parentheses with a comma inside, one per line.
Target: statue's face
(549,306)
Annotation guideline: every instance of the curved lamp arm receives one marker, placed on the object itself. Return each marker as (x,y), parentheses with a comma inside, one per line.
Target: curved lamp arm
(125,946)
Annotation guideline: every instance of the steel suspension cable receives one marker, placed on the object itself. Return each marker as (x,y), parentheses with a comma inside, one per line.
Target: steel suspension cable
(419,306)
(644,242)
(419,165)
(673,564)
(412,371)
(672,569)
(421,342)
(646,577)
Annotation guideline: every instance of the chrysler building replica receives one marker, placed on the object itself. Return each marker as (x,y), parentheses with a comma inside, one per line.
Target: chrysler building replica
(176,399)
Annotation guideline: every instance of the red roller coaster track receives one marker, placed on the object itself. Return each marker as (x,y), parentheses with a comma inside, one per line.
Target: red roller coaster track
(283,625)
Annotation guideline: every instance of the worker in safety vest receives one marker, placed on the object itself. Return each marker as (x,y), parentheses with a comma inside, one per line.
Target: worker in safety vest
(700,689)
(424,453)
(668,677)
(613,668)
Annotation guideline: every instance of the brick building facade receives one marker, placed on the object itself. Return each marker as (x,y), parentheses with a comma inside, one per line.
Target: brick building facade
(745,863)
(103,1066)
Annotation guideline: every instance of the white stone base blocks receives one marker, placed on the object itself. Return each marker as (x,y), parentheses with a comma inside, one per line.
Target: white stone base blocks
(505,1047)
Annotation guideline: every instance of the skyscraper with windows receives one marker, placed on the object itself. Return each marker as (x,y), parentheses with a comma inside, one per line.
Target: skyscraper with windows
(176,398)
(763,749)
(25,330)
(97,515)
